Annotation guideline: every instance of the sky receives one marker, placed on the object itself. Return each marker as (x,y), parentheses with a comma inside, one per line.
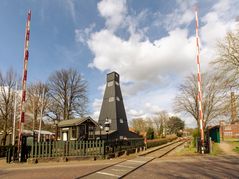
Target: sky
(150,43)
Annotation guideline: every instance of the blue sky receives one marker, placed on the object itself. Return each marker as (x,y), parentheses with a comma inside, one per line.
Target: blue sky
(150,43)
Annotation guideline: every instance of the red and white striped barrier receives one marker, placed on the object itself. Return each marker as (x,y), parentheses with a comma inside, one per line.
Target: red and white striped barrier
(24,79)
(199,85)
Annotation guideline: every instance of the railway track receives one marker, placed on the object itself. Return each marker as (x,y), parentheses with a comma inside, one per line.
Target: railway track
(123,168)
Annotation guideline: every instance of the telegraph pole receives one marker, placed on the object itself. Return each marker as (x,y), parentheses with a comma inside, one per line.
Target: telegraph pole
(24,81)
(14,116)
(199,86)
(42,106)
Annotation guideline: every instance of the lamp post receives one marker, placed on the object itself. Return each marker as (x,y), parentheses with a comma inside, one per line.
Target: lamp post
(107,127)
(101,127)
(56,123)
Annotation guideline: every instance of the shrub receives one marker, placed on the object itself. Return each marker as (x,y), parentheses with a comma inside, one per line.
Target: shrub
(158,142)
(150,133)
(196,134)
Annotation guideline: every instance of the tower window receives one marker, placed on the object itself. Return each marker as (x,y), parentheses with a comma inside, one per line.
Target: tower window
(121,121)
(110,83)
(117,98)
(117,83)
(111,99)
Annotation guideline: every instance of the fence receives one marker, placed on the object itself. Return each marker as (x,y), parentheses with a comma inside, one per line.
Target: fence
(55,149)
(68,148)
(123,145)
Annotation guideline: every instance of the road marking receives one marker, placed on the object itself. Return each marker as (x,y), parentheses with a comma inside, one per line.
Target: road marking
(124,166)
(118,170)
(137,161)
(148,157)
(109,174)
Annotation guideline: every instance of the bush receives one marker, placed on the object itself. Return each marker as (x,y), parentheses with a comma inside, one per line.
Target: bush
(150,133)
(196,134)
(236,149)
(158,142)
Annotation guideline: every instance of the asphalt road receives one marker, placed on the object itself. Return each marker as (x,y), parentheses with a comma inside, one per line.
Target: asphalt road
(53,170)
(167,167)
(190,167)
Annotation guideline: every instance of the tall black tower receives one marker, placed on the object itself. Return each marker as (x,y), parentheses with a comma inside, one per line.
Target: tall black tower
(113,108)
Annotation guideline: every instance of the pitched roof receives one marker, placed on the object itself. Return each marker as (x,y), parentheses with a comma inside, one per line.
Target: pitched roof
(75,122)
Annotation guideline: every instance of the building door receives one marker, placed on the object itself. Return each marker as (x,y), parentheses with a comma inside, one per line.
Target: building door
(65,136)
(82,132)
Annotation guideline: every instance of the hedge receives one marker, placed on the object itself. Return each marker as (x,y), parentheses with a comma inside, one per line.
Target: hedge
(157,142)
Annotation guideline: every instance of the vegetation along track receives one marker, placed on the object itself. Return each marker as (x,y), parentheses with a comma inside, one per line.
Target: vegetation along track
(123,168)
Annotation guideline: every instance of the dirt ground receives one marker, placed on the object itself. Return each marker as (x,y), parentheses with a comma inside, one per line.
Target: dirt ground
(227,148)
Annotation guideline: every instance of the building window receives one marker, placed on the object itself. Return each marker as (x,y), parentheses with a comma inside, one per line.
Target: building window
(110,83)
(121,121)
(228,128)
(91,132)
(73,132)
(121,137)
(111,99)
(58,134)
(117,83)
(117,98)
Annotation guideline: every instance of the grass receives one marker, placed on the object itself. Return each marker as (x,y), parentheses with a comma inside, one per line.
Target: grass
(228,139)
(187,150)
(235,146)
(216,149)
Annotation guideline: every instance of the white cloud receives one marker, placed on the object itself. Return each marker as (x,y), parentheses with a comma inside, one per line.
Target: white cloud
(180,16)
(70,5)
(83,35)
(148,68)
(135,114)
(216,24)
(157,59)
(113,12)
(187,17)
(96,108)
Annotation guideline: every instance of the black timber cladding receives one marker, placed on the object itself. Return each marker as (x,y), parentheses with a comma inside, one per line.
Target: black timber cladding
(113,106)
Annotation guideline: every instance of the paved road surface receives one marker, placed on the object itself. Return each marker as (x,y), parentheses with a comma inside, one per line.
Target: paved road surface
(189,167)
(168,167)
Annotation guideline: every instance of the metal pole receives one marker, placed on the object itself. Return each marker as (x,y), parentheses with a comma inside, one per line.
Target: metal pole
(200,110)
(14,117)
(100,133)
(24,80)
(42,105)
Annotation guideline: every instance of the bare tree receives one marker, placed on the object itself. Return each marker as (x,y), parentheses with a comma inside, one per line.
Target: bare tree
(68,93)
(227,61)
(7,91)
(227,66)
(138,124)
(37,97)
(212,102)
(156,121)
(163,118)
